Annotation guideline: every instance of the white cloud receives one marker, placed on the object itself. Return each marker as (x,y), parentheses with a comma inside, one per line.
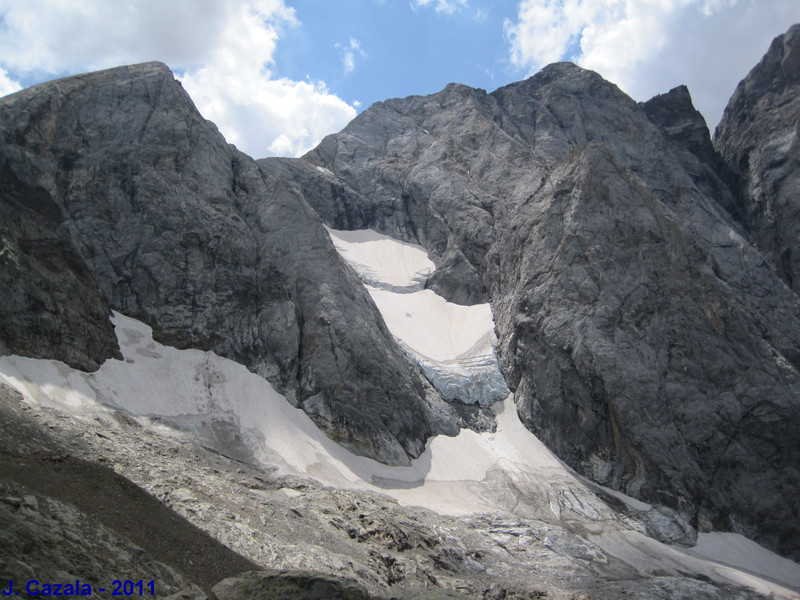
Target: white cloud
(267,117)
(446,7)
(647,47)
(350,52)
(222,49)
(7,85)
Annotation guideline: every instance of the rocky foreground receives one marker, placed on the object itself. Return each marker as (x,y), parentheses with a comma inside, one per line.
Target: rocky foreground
(100,497)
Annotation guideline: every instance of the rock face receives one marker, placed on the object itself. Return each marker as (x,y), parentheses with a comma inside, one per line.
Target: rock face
(51,306)
(681,122)
(648,341)
(129,187)
(758,138)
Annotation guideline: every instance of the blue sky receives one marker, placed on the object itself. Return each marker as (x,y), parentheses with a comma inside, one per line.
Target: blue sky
(397,49)
(278,75)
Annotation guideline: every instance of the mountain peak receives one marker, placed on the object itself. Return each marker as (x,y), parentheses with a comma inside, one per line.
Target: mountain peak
(146,70)
(758,139)
(681,122)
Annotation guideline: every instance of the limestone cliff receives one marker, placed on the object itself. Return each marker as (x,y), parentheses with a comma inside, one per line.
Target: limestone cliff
(146,202)
(649,342)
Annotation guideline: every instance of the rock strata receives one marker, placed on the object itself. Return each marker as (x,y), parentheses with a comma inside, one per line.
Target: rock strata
(649,343)
(174,226)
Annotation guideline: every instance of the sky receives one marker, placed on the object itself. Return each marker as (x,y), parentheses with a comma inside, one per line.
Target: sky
(276,76)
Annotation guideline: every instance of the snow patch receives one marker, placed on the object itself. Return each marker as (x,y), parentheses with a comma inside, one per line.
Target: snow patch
(382,261)
(452,344)
(739,552)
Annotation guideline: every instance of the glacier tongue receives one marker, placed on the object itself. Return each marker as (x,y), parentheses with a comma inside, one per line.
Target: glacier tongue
(205,395)
(452,344)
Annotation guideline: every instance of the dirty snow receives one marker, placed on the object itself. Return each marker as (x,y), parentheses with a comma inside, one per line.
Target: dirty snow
(510,469)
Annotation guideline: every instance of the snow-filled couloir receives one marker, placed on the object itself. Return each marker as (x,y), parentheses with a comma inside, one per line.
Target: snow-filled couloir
(451,343)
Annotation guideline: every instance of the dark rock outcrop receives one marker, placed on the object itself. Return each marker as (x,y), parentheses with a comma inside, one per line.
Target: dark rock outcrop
(759,139)
(648,342)
(300,585)
(182,231)
(681,122)
(51,307)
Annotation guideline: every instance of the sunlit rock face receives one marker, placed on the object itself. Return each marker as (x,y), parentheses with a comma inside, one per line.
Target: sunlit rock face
(145,209)
(648,341)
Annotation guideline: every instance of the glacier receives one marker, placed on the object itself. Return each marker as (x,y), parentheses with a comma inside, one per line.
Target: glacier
(453,345)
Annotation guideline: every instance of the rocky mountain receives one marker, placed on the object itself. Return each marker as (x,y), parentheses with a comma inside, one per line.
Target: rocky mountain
(161,219)
(647,340)
(641,280)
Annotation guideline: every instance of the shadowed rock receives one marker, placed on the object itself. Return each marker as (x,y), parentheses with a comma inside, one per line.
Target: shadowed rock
(758,139)
(289,585)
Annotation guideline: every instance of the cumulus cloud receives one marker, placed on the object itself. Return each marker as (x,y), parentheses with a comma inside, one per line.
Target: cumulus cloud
(647,47)
(222,50)
(446,7)
(7,85)
(261,114)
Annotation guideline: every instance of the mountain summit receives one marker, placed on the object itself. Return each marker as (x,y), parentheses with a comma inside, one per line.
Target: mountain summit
(647,340)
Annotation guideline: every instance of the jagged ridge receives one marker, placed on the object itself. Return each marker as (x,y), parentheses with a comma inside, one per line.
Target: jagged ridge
(648,342)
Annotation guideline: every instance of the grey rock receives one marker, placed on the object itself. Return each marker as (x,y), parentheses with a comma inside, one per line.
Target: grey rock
(51,306)
(639,328)
(669,527)
(681,122)
(758,139)
(683,125)
(182,231)
(55,543)
(288,585)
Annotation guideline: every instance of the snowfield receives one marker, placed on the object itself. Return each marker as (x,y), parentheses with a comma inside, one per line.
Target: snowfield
(198,392)
(223,405)
(451,343)
(383,262)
